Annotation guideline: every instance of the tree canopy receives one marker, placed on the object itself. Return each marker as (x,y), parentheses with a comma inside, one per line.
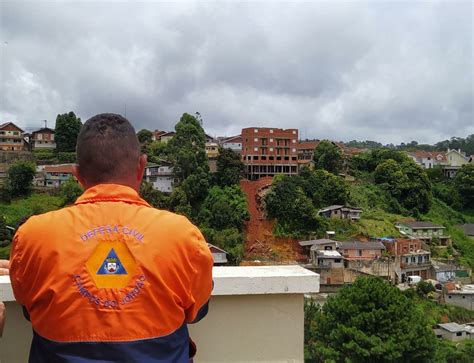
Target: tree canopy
(464,184)
(407,182)
(328,156)
(230,168)
(67,129)
(370,321)
(292,208)
(70,191)
(144,136)
(224,208)
(187,152)
(20,176)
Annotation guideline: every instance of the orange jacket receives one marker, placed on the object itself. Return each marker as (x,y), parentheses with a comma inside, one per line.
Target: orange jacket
(110,269)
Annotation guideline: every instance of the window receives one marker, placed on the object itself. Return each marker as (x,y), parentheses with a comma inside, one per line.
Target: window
(270,157)
(263,158)
(294,150)
(255,149)
(359,253)
(328,248)
(271,131)
(278,157)
(459,334)
(255,157)
(39,136)
(271,149)
(271,140)
(255,139)
(255,130)
(337,260)
(294,141)
(406,260)
(294,132)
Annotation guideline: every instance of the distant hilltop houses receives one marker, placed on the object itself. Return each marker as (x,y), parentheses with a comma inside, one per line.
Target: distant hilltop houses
(264,151)
(13,138)
(450,161)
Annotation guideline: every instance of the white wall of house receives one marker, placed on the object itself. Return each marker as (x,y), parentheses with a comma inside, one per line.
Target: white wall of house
(235,146)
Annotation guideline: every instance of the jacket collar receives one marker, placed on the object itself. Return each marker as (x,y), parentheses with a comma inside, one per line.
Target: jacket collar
(111,193)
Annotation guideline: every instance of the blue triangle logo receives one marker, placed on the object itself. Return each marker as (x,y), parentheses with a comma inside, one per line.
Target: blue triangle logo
(112,265)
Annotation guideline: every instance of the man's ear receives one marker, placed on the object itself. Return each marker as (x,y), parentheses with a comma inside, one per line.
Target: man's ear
(77,175)
(141,166)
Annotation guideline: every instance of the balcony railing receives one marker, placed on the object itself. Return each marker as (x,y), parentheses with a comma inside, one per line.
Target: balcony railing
(256,314)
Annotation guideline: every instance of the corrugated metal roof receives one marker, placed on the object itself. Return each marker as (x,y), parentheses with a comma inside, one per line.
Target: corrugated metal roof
(358,245)
(316,242)
(420,224)
(330,254)
(452,327)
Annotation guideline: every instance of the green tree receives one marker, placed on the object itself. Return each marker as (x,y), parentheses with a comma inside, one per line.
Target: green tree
(67,129)
(291,207)
(435,174)
(328,156)
(323,188)
(4,233)
(407,183)
(230,240)
(416,193)
(70,190)
(153,196)
(464,184)
(20,178)
(187,152)
(144,136)
(155,151)
(370,321)
(229,168)
(391,176)
(224,208)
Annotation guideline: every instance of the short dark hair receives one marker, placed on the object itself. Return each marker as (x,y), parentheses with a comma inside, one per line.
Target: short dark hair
(107,148)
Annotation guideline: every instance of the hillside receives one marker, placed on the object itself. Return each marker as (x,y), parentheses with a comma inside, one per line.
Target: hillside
(19,209)
(376,221)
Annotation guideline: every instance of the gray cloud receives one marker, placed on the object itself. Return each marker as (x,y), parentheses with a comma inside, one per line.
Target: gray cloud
(390,72)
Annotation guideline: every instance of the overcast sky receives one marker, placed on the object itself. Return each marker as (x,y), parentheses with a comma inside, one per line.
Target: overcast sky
(384,71)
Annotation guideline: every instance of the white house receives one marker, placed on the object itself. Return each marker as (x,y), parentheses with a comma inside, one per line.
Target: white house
(218,254)
(234,143)
(428,159)
(161,176)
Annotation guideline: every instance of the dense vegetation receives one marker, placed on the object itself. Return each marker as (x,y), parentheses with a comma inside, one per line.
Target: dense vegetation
(375,322)
(467,145)
(369,321)
(214,202)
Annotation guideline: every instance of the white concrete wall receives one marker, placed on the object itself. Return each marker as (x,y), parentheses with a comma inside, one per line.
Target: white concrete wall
(256,314)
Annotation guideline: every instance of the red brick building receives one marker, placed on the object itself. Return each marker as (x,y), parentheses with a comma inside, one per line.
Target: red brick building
(269,151)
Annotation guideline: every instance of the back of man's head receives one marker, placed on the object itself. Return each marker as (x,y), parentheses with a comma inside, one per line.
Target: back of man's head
(107,149)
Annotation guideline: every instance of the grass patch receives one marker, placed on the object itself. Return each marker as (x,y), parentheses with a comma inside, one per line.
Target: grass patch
(35,203)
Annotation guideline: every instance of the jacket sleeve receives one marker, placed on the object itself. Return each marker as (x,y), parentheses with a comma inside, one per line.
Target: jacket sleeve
(201,281)
(18,268)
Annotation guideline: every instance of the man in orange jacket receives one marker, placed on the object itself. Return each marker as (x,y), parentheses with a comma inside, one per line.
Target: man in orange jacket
(110,278)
